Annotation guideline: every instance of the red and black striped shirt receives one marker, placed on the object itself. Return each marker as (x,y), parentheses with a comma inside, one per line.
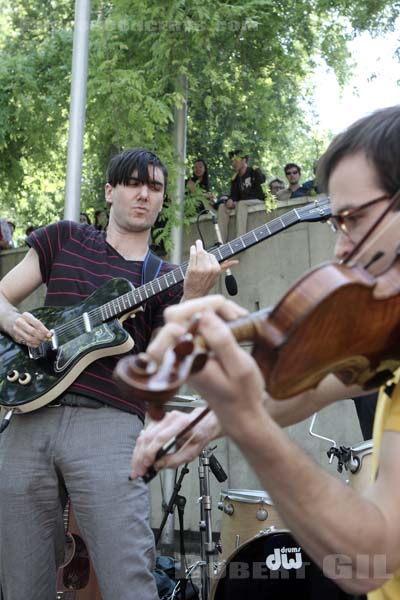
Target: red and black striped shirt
(75,260)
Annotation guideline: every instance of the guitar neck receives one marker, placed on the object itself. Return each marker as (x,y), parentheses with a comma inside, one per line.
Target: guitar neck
(137,296)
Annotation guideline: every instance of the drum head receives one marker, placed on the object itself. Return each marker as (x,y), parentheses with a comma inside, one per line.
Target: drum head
(248,496)
(271,567)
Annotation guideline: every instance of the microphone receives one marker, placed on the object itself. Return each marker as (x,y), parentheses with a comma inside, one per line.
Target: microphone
(230,281)
(217,469)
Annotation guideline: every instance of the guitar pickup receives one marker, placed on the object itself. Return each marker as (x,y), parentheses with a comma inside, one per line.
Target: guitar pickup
(86,322)
(54,341)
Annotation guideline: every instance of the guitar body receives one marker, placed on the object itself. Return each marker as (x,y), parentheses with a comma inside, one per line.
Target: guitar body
(31,378)
(76,579)
(52,372)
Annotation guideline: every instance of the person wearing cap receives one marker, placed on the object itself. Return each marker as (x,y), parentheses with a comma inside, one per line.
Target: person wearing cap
(245,191)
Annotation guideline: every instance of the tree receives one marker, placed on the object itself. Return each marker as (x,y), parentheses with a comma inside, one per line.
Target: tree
(247,63)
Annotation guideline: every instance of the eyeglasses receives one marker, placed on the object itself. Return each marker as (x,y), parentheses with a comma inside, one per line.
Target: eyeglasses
(346,219)
(291,172)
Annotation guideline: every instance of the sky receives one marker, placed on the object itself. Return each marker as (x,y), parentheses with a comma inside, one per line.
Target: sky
(375,83)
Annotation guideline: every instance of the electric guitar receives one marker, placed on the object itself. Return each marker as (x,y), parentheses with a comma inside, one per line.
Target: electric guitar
(32,377)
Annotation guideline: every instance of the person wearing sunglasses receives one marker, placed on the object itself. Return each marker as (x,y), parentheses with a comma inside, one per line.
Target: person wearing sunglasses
(294,189)
(353,536)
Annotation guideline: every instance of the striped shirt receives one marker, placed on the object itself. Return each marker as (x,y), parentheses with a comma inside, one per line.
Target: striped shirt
(75,260)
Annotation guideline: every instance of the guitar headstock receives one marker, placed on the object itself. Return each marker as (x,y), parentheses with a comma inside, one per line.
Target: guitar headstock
(319,210)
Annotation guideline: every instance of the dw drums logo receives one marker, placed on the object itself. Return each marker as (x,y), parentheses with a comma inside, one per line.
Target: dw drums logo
(280,559)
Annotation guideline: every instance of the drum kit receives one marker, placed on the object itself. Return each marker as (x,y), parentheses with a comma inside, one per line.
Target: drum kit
(256,555)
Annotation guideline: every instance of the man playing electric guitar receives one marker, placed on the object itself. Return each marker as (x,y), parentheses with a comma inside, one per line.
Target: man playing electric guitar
(83,439)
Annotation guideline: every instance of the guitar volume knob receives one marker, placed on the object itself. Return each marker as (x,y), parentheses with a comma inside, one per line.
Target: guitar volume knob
(25,379)
(12,375)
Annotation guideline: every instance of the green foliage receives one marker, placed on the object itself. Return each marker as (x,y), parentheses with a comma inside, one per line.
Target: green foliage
(246,62)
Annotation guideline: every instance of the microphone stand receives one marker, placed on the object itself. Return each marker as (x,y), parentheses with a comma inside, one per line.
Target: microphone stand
(230,281)
(179,501)
(208,548)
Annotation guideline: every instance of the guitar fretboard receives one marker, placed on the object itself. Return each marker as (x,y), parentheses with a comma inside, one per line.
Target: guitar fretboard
(316,211)
(221,253)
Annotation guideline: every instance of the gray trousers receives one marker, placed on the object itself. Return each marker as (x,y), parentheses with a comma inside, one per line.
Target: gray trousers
(87,450)
(241,210)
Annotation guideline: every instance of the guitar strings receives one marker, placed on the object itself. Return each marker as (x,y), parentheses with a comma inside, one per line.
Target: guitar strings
(134,297)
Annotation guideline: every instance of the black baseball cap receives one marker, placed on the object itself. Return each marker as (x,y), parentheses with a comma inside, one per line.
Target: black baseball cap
(238,153)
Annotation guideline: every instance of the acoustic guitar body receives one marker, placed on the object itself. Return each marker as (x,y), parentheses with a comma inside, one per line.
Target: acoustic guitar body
(76,580)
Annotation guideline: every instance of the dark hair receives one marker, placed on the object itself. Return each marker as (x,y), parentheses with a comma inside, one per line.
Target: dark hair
(82,214)
(238,152)
(97,214)
(378,136)
(276,180)
(292,166)
(204,181)
(121,167)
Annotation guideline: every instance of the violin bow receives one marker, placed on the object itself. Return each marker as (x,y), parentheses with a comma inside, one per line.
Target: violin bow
(152,471)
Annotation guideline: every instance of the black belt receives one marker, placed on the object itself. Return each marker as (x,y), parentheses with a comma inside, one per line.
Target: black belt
(76,400)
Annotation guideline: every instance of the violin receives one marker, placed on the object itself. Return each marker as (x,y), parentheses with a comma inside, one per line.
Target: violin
(330,321)
(342,319)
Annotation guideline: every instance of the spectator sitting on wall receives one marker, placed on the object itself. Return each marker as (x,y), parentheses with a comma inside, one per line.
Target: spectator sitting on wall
(276,185)
(101,219)
(5,235)
(294,189)
(12,230)
(84,218)
(246,191)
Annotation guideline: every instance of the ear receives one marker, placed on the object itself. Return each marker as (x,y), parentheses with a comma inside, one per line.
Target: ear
(108,192)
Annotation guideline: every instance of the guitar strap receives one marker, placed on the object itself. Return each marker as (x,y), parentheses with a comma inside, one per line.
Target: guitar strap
(151,267)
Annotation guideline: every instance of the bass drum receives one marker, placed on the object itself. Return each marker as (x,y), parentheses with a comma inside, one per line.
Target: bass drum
(245,514)
(273,566)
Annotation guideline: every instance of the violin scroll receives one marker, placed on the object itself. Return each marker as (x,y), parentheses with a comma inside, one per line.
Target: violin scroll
(139,375)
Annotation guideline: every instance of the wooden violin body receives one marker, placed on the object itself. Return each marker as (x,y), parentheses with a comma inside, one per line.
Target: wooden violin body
(336,319)
(330,322)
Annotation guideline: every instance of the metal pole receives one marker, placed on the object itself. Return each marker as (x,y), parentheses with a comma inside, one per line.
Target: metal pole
(167,537)
(207,546)
(77,110)
(180,154)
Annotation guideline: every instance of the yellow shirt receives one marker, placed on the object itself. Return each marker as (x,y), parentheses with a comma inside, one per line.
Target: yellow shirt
(387,417)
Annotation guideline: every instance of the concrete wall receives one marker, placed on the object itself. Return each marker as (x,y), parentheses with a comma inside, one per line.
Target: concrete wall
(264,274)
(8,260)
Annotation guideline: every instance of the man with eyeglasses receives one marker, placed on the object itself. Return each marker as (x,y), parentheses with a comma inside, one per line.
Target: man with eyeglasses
(294,189)
(354,537)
